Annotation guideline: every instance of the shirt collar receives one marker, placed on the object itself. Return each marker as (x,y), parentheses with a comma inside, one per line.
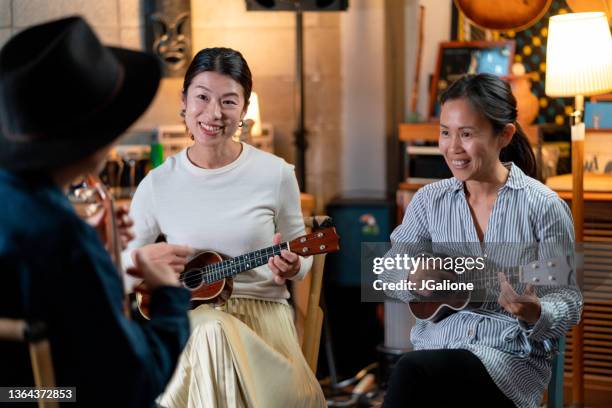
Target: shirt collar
(516,178)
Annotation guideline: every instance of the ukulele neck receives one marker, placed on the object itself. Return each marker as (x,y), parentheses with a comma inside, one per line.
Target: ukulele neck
(233,266)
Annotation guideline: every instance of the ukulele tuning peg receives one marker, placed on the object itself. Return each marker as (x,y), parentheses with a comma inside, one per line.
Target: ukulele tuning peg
(322,247)
(302,240)
(320,235)
(304,250)
(535,265)
(535,280)
(550,264)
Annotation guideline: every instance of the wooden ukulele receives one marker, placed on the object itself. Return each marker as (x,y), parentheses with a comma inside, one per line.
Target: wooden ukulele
(556,271)
(209,275)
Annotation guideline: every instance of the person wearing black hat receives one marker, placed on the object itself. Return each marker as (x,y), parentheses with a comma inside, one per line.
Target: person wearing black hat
(64,99)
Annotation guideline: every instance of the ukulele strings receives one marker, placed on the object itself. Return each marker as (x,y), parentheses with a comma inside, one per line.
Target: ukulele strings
(218,268)
(225,265)
(511,273)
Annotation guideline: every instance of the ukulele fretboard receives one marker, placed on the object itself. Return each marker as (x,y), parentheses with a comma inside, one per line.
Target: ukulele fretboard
(233,266)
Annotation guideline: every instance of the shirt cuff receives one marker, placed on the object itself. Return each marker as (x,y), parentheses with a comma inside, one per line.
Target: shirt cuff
(525,326)
(540,328)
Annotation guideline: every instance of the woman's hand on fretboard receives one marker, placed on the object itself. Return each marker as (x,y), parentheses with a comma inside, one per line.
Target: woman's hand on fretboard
(284,266)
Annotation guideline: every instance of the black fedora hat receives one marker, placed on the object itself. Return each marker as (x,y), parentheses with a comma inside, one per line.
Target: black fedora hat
(63,95)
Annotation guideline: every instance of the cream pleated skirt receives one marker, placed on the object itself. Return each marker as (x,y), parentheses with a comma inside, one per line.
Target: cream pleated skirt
(245,354)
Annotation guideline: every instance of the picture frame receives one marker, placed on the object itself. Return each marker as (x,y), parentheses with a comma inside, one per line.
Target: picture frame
(457,58)
(598,113)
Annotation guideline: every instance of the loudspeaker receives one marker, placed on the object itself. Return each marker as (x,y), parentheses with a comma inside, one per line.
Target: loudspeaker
(291,5)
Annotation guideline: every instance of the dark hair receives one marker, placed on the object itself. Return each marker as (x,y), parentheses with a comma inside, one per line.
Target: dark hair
(223,61)
(493,97)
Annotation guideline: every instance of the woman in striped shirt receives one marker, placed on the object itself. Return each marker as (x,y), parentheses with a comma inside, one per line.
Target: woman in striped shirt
(498,354)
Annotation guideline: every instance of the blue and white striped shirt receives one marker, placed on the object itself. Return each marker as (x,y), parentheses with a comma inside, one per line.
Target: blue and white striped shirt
(516,355)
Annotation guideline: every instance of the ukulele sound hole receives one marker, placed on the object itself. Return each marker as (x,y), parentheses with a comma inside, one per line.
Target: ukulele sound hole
(192,278)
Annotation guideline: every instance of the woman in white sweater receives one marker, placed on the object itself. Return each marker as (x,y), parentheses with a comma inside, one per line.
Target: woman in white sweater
(228,197)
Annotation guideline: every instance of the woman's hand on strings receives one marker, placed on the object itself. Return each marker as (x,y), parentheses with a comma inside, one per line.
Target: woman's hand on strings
(285,266)
(525,307)
(154,274)
(175,256)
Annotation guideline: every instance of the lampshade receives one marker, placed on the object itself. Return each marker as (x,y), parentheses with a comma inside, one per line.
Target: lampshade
(253,114)
(578,55)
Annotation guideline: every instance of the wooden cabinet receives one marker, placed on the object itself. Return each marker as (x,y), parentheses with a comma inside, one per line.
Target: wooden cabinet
(597,291)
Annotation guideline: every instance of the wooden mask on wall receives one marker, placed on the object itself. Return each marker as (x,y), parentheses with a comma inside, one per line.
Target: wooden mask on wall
(168,34)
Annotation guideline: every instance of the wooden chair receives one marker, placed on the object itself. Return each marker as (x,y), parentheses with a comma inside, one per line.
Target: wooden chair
(306,294)
(40,352)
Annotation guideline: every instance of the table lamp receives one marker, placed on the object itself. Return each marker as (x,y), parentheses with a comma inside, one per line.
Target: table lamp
(252,122)
(578,64)
(254,115)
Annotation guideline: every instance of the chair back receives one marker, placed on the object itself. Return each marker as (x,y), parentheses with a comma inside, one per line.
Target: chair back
(40,352)
(307,294)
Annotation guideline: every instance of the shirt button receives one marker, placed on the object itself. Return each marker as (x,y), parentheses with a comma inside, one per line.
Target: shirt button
(470,332)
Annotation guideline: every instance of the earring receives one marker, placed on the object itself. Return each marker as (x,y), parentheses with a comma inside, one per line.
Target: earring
(182,113)
(241,123)
(191,137)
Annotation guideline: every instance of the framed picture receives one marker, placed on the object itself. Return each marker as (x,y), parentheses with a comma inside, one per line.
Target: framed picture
(598,113)
(458,58)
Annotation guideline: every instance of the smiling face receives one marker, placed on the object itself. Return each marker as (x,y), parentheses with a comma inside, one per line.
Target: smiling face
(214,105)
(468,143)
